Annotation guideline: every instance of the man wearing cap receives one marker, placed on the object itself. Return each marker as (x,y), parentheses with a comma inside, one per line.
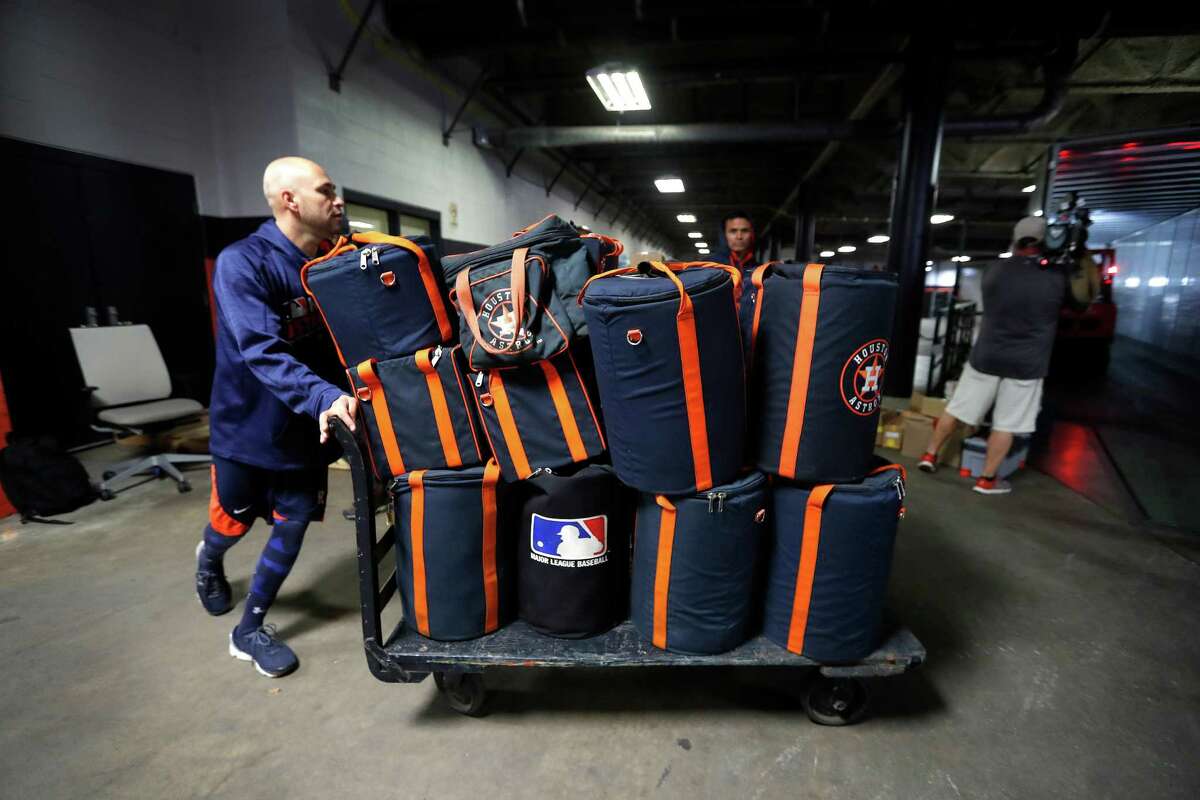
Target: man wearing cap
(1021,302)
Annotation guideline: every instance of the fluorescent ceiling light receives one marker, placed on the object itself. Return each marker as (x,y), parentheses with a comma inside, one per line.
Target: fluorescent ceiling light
(878,239)
(703,251)
(938,219)
(619,88)
(1030,189)
(1133,283)
(701,245)
(695,235)
(360,225)
(686,218)
(1037,213)
(1006,254)
(827,254)
(928,269)
(667,185)
(1157,281)
(847,248)
(960,258)
(929,263)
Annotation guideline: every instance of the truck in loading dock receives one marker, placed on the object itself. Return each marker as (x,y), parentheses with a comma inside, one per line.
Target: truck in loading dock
(1085,336)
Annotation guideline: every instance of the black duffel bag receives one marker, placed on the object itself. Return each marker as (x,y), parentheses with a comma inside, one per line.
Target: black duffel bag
(573,551)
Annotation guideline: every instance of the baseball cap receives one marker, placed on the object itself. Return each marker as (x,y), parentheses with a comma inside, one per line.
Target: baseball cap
(1029,228)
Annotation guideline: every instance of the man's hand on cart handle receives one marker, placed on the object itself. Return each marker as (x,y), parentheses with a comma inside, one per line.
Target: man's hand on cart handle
(344,408)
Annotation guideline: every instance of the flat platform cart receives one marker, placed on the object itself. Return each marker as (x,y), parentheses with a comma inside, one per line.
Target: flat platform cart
(832,694)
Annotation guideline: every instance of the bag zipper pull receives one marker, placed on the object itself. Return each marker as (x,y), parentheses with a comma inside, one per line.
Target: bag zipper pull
(712,499)
(437,354)
(375,256)
(362,258)
(899,484)
(478,380)
(721,500)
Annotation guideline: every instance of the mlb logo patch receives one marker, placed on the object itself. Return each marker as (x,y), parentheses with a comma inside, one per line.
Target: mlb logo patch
(569,539)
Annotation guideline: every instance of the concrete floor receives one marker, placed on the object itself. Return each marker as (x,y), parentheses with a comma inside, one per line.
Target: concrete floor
(1063,662)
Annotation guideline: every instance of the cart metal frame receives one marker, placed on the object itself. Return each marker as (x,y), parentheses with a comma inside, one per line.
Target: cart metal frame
(837,696)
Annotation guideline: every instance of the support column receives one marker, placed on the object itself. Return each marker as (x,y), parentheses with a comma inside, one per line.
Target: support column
(806,234)
(912,203)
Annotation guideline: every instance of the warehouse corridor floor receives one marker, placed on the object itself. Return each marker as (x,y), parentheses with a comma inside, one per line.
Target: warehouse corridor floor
(1063,662)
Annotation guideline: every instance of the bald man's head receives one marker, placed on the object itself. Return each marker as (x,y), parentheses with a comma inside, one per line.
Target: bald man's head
(303,198)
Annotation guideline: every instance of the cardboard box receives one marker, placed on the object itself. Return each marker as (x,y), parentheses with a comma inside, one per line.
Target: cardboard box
(918,430)
(926,405)
(890,430)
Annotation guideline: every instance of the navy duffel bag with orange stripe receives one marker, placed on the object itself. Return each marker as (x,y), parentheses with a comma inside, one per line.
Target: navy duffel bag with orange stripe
(830,560)
(454,552)
(419,412)
(540,416)
(819,344)
(381,296)
(695,559)
(669,366)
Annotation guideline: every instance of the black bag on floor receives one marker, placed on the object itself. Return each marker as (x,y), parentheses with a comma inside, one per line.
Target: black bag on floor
(380,296)
(829,566)
(517,298)
(695,559)
(573,551)
(540,416)
(669,365)
(454,551)
(819,344)
(419,412)
(41,480)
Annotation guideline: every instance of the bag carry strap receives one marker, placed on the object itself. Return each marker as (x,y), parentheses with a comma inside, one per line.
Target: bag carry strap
(886,467)
(441,409)
(693,385)
(466,302)
(373,393)
(491,583)
(673,266)
(342,246)
(806,331)
(756,278)
(428,279)
(566,416)
(416,528)
(662,568)
(809,543)
(508,425)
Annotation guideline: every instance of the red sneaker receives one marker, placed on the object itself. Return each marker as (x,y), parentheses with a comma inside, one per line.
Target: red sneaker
(997,486)
(928,463)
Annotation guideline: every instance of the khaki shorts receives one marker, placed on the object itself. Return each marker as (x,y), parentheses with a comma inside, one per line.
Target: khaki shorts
(1017,402)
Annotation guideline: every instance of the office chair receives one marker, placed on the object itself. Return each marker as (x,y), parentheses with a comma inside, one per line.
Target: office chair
(130,390)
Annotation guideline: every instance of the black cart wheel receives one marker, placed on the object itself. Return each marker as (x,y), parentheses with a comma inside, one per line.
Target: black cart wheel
(463,691)
(184,487)
(836,701)
(109,474)
(106,495)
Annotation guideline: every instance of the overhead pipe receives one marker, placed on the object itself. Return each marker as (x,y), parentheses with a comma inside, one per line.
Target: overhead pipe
(1057,69)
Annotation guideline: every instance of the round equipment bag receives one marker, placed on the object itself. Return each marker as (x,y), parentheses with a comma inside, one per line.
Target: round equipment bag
(573,552)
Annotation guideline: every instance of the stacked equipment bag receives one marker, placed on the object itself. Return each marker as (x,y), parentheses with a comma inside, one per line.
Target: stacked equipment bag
(539,416)
(454,551)
(669,365)
(573,551)
(818,349)
(517,298)
(380,296)
(695,562)
(419,412)
(829,566)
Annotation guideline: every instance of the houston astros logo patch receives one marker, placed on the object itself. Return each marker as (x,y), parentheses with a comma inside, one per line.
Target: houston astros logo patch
(862,377)
(498,318)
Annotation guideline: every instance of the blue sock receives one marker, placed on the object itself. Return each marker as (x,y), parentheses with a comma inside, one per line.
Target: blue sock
(212,555)
(273,567)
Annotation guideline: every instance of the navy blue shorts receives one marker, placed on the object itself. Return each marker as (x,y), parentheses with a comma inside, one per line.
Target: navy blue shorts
(241,493)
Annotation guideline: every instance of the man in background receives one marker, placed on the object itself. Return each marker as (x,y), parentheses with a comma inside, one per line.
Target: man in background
(738,250)
(1021,302)
(272,399)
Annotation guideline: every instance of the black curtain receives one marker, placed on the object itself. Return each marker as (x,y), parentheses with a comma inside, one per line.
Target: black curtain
(99,233)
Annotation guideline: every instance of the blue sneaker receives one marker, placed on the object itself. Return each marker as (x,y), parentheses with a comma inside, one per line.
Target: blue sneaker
(271,657)
(212,588)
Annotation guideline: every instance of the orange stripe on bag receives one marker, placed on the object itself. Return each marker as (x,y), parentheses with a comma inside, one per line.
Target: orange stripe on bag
(808,566)
(383,416)
(491,584)
(508,426)
(218,518)
(417,534)
(441,409)
(756,278)
(806,331)
(566,417)
(662,569)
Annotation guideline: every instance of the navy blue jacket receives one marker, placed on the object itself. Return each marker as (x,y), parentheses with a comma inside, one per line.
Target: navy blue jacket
(275,361)
(722,255)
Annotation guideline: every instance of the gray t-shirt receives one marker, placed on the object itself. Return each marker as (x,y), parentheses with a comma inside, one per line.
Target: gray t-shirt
(1021,301)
